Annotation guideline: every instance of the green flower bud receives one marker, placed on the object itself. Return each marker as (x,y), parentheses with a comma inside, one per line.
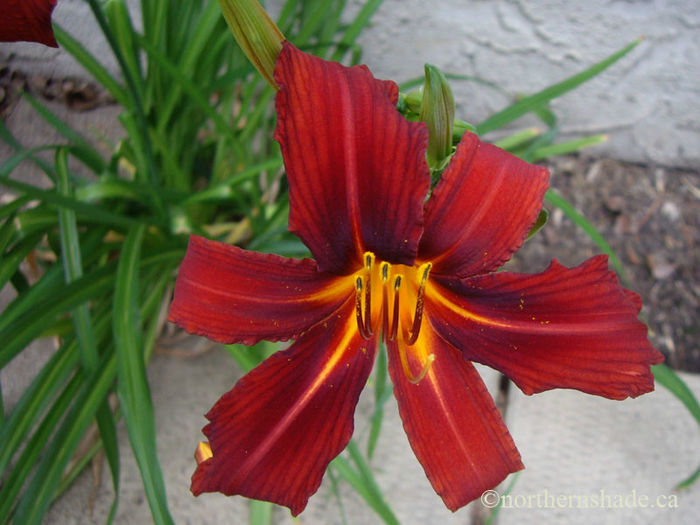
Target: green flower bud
(438,112)
(256,33)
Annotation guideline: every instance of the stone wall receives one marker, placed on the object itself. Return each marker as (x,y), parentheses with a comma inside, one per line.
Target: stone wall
(649,102)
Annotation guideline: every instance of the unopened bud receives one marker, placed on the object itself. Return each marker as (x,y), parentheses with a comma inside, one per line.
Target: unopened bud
(438,112)
(256,33)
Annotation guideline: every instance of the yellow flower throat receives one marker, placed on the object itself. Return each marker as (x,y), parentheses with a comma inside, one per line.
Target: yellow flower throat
(391,297)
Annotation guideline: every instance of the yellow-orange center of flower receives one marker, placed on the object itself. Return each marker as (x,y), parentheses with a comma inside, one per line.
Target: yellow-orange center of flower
(390,297)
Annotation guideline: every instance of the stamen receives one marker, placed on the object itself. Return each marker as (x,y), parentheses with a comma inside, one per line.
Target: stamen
(407,369)
(358,309)
(385,304)
(395,318)
(369,261)
(385,312)
(418,315)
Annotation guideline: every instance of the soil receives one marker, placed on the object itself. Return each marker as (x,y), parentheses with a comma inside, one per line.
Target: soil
(650,216)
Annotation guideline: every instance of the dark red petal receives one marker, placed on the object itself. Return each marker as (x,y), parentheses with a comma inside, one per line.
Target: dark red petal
(232,295)
(357,170)
(481,210)
(274,434)
(27,20)
(452,422)
(563,328)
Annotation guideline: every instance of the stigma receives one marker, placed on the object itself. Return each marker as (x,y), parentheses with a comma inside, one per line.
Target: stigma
(390,298)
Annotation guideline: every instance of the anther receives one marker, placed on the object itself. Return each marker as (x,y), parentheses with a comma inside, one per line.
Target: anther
(418,315)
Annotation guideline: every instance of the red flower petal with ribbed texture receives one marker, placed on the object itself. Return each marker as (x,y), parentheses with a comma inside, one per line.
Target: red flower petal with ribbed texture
(481,210)
(563,328)
(356,168)
(274,434)
(27,20)
(386,266)
(232,295)
(451,421)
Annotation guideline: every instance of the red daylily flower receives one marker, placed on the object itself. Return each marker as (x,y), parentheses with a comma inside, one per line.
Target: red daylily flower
(27,20)
(418,274)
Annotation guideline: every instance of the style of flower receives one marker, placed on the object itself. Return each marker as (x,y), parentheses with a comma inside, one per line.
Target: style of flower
(420,275)
(27,20)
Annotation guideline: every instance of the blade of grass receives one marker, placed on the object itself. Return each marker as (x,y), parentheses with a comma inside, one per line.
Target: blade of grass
(133,391)
(494,513)
(40,490)
(20,471)
(528,104)
(260,512)
(557,200)
(91,64)
(354,29)
(666,377)
(518,139)
(87,211)
(10,261)
(135,91)
(82,149)
(22,329)
(380,387)
(73,264)
(73,268)
(564,148)
(12,207)
(375,497)
(34,399)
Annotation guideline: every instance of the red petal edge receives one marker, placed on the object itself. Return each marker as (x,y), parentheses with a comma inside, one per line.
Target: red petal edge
(274,434)
(27,20)
(357,170)
(232,295)
(481,210)
(563,328)
(452,423)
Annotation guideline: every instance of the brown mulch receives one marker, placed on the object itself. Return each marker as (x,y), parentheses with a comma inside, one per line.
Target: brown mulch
(650,216)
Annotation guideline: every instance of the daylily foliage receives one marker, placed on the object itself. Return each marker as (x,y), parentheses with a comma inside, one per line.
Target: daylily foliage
(390,265)
(27,20)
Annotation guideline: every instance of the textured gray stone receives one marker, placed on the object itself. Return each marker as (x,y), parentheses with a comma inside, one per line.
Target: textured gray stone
(649,102)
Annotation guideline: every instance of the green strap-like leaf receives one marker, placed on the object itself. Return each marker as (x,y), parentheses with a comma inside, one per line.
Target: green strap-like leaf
(362,480)
(666,377)
(557,200)
(82,322)
(535,101)
(133,390)
(41,489)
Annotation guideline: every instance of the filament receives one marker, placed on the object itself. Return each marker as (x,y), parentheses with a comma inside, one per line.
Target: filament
(420,300)
(395,317)
(369,260)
